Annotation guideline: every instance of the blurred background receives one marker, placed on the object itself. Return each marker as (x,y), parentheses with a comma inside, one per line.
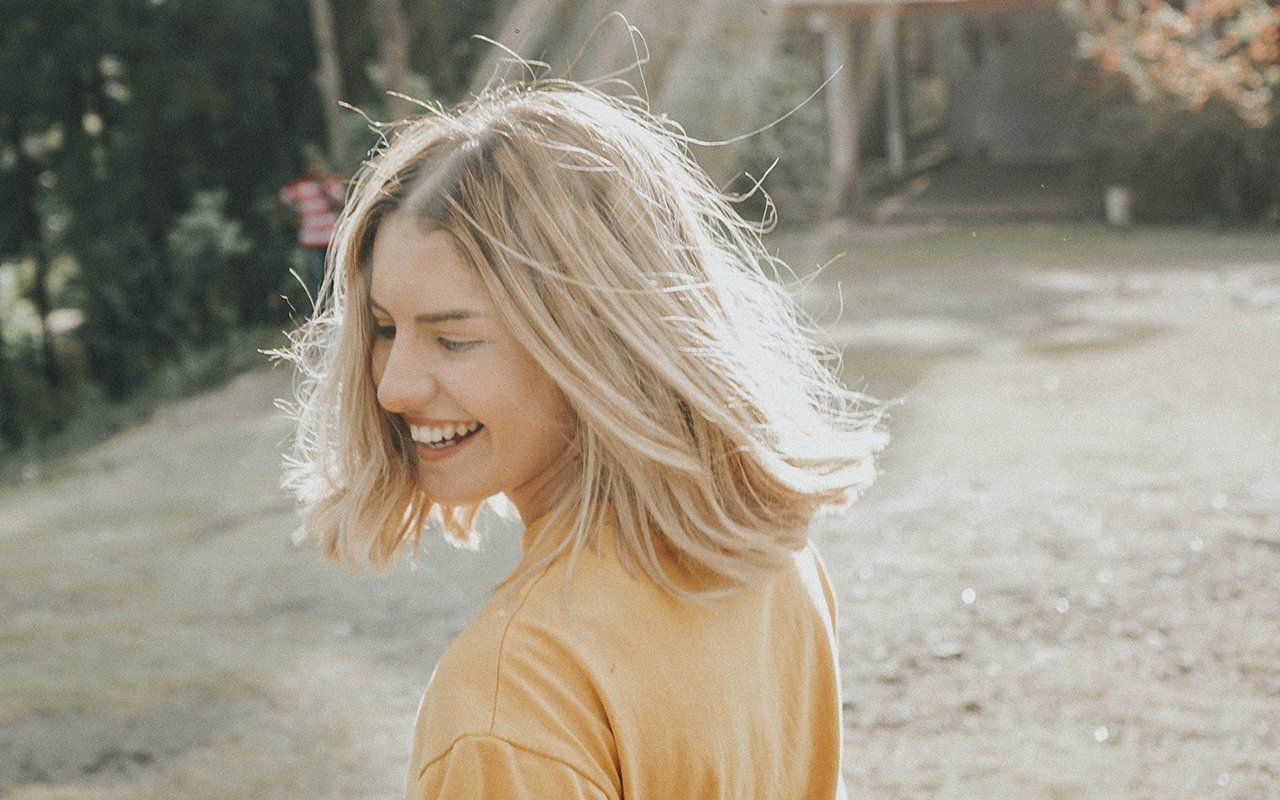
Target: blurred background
(1048,233)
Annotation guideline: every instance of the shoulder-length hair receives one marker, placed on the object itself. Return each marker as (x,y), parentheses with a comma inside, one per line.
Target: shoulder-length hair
(708,424)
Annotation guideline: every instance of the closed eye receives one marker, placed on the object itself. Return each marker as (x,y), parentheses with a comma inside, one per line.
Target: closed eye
(456,346)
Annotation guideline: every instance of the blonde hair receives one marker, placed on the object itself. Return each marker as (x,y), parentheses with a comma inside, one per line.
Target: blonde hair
(708,425)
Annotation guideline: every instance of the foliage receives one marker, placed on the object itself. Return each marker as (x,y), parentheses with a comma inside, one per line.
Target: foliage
(114,116)
(1191,166)
(206,254)
(30,406)
(143,142)
(1223,49)
(1189,104)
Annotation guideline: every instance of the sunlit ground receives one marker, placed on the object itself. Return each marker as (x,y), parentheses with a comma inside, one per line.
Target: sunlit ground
(1063,585)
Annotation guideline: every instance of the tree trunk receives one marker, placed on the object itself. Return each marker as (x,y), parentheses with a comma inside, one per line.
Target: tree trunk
(329,81)
(393,49)
(40,299)
(843,119)
(522,27)
(428,21)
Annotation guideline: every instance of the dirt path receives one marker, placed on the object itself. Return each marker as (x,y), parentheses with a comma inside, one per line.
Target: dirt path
(1067,584)
(1063,586)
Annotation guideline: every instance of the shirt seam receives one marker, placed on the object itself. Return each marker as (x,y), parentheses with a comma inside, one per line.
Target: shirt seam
(502,649)
(517,746)
(827,594)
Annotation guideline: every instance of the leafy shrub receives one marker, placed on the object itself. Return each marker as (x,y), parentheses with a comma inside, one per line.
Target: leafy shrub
(127,329)
(146,305)
(206,258)
(30,407)
(1185,166)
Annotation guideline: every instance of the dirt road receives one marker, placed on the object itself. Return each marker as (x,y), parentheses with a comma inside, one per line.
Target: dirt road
(1064,585)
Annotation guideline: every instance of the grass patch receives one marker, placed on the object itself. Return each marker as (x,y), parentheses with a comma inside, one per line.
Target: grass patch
(97,419)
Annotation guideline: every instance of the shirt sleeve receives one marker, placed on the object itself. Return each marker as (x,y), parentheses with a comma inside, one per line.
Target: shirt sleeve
(479,767)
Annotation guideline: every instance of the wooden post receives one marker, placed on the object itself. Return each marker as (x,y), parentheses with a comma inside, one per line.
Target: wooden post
(842,112)
(886,27)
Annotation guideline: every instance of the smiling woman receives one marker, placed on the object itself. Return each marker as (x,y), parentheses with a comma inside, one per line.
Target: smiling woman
(457,378)
(538,294)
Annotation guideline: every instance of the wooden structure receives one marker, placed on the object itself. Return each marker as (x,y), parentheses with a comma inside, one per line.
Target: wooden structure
(862,50)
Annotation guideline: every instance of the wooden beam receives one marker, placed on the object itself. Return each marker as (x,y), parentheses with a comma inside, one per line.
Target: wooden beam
(887,33)
(842,119)
(849,96)
(867,8)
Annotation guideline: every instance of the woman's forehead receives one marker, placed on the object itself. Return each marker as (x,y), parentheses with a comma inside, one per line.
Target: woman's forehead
(419,270)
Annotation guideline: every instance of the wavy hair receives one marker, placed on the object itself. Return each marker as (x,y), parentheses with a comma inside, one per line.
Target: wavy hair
(708,424)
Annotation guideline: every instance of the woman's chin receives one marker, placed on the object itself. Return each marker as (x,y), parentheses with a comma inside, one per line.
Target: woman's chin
(451,496)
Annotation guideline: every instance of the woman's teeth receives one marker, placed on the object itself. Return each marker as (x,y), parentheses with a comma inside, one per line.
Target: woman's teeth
(439,436)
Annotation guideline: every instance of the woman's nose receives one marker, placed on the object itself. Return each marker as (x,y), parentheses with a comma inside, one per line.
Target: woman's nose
(406,384)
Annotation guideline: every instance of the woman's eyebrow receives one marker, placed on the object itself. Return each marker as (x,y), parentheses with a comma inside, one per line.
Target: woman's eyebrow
(450,315)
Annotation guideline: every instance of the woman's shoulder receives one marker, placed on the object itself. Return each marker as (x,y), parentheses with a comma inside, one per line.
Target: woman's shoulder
(517,675)
(569,665)
(510,713)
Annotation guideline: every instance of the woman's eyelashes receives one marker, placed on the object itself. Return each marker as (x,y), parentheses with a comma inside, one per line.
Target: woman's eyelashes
(388,332)
(455,345)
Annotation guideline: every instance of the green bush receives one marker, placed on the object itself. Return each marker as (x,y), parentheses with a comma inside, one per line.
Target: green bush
(206,260)
(1183,166)
(146,305)
(30,407)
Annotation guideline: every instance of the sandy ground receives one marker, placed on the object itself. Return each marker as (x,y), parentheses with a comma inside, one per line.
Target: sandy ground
(1064,585)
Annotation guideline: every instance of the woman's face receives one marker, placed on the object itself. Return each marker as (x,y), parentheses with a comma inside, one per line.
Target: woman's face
(484,416)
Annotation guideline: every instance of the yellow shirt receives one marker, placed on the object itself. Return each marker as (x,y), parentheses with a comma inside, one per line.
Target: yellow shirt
(637,695)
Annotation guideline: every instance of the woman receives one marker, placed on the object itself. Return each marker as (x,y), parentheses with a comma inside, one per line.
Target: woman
(539,295)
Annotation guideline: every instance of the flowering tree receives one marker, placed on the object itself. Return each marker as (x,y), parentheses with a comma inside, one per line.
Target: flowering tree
(1189,103)
(1223,49)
